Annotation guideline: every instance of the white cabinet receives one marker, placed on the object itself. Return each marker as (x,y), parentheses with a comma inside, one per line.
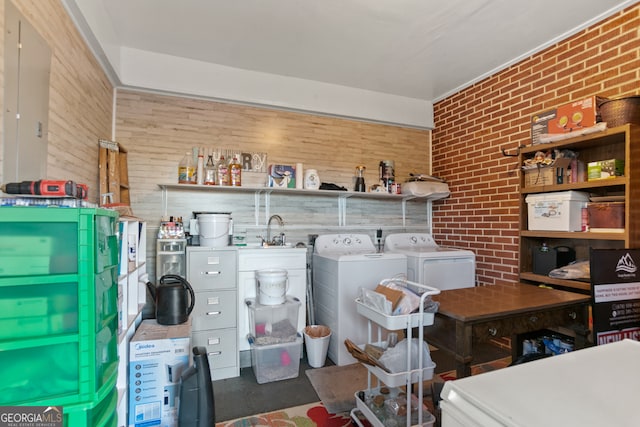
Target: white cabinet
(212,272)
(132,279)
(293,260)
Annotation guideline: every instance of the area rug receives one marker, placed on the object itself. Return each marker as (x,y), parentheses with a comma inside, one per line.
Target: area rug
(310,415)
(336,385)
(478,369)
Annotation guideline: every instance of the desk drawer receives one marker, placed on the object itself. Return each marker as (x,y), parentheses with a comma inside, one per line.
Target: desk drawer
(528,322)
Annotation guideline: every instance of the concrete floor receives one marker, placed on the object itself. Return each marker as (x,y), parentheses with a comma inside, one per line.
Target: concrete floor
(243,396)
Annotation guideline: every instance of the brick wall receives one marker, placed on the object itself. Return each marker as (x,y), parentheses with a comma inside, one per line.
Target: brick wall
(474,124)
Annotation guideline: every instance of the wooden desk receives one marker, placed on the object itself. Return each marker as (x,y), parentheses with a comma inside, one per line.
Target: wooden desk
(478,314)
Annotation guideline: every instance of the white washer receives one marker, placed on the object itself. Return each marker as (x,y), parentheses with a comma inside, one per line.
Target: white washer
(342,264)
(433,265)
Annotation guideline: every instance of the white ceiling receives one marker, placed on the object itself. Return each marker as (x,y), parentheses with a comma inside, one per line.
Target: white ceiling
(407,52)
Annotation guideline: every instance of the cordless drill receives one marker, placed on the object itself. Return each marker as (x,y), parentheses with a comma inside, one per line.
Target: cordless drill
(46,187)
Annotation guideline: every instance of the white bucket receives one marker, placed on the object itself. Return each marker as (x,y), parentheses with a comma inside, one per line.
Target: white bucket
(271,286)
(214,230)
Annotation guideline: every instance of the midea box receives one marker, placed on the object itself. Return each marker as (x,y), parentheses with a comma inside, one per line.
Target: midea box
(158,355)
(559,211)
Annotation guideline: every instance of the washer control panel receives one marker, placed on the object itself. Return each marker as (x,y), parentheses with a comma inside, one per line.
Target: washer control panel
(344,244)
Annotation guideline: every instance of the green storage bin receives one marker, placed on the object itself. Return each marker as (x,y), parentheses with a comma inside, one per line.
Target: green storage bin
(38,248)
(58,315)
(39,310)
(98,413)
(33,373)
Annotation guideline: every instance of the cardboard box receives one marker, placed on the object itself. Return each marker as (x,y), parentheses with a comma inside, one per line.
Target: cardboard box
(605,169)
(282,176)
(559,211)
(158,355)
(569,117)
(562,171)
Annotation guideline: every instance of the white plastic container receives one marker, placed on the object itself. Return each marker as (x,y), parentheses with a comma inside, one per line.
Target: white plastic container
(271,286)
(559,211)
(311,179)
(214,230)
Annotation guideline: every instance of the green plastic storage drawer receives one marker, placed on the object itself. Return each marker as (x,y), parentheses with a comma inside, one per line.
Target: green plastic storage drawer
(58,305)
(100,413)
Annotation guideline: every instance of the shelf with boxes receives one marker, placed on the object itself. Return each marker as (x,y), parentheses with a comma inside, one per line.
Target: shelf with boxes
(584,211)
(132,277)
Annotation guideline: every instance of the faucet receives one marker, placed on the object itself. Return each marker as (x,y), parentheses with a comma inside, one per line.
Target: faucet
(281,224)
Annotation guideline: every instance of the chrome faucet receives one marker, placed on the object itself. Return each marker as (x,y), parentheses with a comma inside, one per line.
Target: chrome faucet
(281,237)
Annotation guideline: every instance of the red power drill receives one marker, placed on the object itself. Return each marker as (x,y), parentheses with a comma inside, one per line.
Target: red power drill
(45,187)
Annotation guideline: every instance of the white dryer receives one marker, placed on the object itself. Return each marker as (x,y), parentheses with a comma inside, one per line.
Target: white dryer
(342,264)
(433,265)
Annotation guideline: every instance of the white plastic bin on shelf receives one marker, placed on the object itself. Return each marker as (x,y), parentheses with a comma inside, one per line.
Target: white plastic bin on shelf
(559,211)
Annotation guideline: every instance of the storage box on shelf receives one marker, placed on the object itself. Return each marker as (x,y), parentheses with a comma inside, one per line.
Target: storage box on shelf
(67,303)
(617,143)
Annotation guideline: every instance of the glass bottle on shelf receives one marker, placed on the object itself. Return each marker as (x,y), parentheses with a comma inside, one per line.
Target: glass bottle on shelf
(210,171)
(223,171)
(235,172)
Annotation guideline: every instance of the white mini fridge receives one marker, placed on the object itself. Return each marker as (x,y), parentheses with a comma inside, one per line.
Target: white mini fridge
(597,386)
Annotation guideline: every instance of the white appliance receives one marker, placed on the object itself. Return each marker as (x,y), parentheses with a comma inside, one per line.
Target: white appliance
(433,265)
(596,386)
(293,260)
(342,264)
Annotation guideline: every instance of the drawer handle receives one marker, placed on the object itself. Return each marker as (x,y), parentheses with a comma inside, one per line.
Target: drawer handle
(214,353)
(533,319)
(213,313)
(493,332)
(573,315)
(211,273)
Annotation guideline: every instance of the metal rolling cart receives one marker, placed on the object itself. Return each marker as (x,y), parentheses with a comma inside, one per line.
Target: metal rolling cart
(413,375)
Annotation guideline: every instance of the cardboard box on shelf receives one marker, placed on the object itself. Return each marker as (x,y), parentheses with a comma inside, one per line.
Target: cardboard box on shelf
(158,355)
(282,176)
(605,169)
(562,171)
(569,117)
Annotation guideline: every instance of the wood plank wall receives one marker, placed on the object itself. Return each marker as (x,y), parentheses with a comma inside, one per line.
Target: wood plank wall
(80,95)
(158,129)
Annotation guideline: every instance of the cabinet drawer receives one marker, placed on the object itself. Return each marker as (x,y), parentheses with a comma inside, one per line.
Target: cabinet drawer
(221,345)
(214,310)
(209,269)
(527,323)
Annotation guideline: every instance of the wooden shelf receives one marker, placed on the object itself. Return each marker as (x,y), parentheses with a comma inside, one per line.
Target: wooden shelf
(622,142)
(546,280)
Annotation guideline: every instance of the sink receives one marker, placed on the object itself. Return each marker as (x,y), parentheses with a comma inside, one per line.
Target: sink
(259,246)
